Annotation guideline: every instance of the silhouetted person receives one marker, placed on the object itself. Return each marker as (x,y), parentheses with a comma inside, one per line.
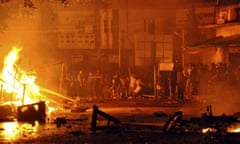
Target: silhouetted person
(181,80)
(173,83)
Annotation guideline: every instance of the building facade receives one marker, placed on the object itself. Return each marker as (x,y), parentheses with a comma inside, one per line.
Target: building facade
(116,34)
(217,25)
(88,35)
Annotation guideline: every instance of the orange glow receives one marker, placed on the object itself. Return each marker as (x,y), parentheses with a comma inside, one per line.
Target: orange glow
(10,130)
(14,130)
(206,130)
(19,88)
(234,128)
(16,81)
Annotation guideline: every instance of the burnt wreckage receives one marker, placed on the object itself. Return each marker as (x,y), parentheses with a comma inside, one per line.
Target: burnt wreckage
(212,128)
(24,113)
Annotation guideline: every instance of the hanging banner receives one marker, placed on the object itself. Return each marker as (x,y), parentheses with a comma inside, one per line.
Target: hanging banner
(165,66)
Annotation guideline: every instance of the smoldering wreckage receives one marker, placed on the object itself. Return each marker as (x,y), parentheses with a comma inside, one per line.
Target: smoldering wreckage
(211,128)
(15,84)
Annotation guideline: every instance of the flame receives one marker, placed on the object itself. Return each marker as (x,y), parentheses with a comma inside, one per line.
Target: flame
(10,130)
(18,86)
(235,128)
(16,81)
(209,129)
(8,70)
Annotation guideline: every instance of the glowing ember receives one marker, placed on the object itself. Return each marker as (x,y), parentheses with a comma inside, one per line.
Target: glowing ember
(10,129)
(235,128)
(206,130)
(17,82)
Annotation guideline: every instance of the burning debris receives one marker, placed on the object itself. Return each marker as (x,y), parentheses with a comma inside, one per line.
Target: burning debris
(214,128)
(7,113)
(17,86)
(32,112)
(109,118)
(22,100)
(207,123)
(208,128)
(19,90)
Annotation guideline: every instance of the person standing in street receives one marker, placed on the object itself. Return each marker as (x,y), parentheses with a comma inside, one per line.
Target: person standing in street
(181,80)
(173,83)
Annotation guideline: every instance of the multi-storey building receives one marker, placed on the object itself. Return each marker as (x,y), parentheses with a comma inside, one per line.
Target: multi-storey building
(117,34)
(227,31)
(105,35)
(217,27)
(88,35)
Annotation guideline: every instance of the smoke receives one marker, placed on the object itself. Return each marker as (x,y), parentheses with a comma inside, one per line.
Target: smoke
(31,29)
(224,98)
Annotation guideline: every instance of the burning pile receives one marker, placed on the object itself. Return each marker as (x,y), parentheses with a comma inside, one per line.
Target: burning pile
(17,86)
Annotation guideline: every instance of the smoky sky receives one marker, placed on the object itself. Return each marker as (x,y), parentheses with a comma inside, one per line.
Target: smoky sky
(31,29)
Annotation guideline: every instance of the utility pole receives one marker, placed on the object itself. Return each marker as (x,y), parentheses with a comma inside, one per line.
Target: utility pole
(183,48)
(121,44)
(182,37)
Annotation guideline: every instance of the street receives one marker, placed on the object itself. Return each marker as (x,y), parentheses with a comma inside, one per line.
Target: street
(142,121)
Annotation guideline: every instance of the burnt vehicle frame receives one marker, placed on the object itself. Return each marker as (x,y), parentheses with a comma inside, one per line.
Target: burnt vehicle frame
(213,128)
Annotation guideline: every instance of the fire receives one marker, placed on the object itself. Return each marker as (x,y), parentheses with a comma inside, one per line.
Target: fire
(18,86)
(235,128)
(8,71)
(16,81)
(209,129)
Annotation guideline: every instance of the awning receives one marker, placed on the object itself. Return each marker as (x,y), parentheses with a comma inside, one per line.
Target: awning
(219,41)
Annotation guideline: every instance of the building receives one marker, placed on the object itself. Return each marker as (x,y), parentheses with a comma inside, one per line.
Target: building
(148,29)
(218,36)
(88,35)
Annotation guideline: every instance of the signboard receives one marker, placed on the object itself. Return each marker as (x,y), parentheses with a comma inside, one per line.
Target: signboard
(165,66)
(204,15)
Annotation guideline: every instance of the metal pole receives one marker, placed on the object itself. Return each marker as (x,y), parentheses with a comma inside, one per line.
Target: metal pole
(94,119)
(183,48)
(61,78)
(119,53)
(23,95)
(121,43)
(155,81)
(134,50)
(127,26)
(1,93)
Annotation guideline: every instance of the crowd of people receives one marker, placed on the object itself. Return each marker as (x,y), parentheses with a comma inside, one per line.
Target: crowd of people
(193,80)
(182,83)
(103,86)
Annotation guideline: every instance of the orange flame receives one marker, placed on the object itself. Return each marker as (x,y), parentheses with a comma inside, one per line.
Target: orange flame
(16,81)
(209,129)
(235,128)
